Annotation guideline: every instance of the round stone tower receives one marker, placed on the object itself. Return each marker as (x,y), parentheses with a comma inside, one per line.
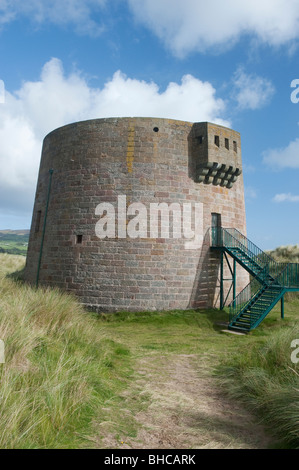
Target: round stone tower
(123,210)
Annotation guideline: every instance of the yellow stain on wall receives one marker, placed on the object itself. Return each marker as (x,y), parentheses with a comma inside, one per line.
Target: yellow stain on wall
(130,147)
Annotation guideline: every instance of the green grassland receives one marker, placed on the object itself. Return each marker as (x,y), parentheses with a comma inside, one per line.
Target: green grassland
(70,377)
(14,242)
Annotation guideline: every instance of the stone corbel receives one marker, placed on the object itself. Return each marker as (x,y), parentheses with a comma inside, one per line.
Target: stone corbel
(217,174)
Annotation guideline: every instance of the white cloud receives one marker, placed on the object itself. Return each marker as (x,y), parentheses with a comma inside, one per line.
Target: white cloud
(287,157)
(2,92)
(198,25)
(56,99)
(251,91)
(79,13)
(285,198)
(191,100)
(250,193)
(183,26)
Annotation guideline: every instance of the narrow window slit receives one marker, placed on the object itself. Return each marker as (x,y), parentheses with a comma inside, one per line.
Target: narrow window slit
(37,221)
(79,239)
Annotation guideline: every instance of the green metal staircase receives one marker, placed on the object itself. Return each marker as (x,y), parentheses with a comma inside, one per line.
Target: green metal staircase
(270,280)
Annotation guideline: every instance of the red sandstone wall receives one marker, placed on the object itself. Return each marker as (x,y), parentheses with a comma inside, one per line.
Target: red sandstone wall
(96,161)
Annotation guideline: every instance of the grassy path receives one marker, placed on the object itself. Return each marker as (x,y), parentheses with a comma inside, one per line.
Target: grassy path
(187,410)
(173,399)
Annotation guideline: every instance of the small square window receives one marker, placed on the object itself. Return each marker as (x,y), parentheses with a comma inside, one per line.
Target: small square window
(200,139)
(235,146)
(79,239)
(217,140)
(226,144)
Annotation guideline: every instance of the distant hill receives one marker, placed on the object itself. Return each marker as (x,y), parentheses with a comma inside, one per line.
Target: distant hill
(14,242)
(16,232)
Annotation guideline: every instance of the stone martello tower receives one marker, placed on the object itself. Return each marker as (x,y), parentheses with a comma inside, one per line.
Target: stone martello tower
(123,210)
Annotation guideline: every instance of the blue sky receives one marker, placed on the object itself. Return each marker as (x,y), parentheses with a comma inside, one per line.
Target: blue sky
(228,62)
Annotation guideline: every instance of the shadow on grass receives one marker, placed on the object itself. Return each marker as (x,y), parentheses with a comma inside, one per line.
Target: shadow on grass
(215,319)
(229,431)
(17,276)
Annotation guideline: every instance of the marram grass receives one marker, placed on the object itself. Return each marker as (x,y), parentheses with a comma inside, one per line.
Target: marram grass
(286,254)
(266,380)
(57,372)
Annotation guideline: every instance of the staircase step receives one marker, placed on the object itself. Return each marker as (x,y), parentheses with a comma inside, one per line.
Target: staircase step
(236,327)
(242,318)
(242,327)
(257,306)
(253,313)
(249,316)
(257,312)
(267,296)
(242,323)
(261,304)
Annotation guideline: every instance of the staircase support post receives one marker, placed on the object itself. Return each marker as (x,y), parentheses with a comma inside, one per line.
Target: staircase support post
(234,280)
(221,283)
(282,307)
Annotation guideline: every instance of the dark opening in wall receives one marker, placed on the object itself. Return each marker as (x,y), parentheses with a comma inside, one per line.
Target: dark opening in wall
(156,129)
(79,239)
(217,140)
(216,220)
(226,144)
(235,146)
(37,221)
(216,228)
(200,139)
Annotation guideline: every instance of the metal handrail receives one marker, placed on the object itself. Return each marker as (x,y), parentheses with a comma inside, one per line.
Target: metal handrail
(268,267)
(242,300)
(272,275)
(225,237)
(288,278)
(254,248)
